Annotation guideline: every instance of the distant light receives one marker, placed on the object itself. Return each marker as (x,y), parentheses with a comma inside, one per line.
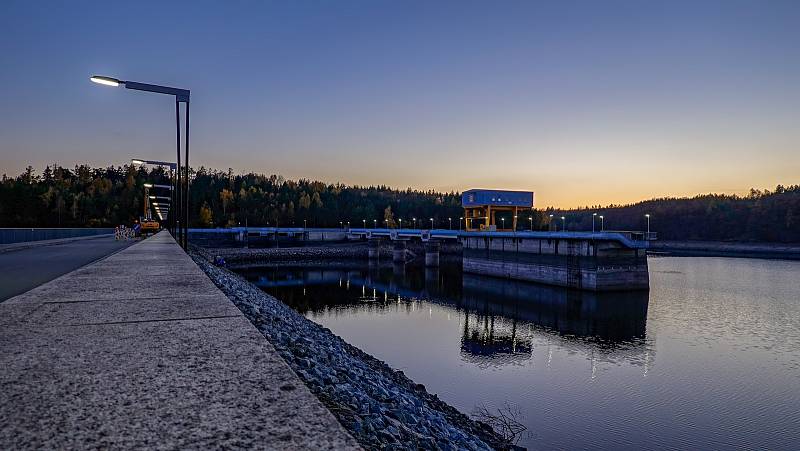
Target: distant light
(148,185)
(137,161)
(102,80)
(152,197)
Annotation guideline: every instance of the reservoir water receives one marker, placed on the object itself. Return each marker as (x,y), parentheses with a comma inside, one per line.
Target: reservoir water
(709,358)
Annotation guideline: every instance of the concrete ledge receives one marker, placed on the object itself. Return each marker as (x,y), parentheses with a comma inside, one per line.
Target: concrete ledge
(29,244)
(141,350)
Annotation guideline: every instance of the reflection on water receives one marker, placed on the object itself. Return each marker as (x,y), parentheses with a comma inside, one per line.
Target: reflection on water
(499,317)
(581,366)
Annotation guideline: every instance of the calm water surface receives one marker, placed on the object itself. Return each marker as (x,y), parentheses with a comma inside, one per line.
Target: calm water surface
(708,359)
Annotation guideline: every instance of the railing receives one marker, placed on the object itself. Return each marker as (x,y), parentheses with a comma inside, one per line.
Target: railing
(633,239)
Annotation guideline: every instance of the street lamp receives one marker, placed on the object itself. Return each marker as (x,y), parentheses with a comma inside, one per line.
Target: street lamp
(593,216)
(550,225)
(648,225)
(564,224)
(530,219)
(401,222)
(181,96)
(460,219)
(374,223)
(415,222)
(431,223)
(365,223)
(504,222)
(602,225)
(450,226)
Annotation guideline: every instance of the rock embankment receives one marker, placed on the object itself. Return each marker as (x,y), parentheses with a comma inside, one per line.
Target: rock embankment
(381,407)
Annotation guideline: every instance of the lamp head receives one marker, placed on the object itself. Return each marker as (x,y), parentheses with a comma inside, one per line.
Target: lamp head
(103,80)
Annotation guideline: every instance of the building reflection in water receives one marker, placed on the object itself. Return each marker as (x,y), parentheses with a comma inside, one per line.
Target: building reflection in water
(501,321)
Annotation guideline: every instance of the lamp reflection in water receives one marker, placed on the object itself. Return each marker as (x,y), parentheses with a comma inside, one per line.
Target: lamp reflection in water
(501,321)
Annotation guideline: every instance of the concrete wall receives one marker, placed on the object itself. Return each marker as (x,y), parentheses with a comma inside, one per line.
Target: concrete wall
(9,236)
(575,263)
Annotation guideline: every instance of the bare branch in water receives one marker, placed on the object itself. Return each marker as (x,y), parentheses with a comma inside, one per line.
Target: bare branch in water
(505,421)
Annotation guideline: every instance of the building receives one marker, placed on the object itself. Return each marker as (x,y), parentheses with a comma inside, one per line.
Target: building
(490,210)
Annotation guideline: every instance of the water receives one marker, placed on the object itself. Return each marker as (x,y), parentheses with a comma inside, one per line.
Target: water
(708,359)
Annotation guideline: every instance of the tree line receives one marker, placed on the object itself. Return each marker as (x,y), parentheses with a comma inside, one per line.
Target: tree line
(105,197)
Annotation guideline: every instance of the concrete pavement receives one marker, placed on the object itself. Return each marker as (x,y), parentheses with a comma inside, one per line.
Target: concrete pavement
(141,350)
(27,265)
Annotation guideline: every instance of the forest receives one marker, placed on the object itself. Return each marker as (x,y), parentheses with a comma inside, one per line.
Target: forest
(104,197)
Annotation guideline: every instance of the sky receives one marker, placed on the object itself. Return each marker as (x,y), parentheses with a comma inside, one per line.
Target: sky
(583,102)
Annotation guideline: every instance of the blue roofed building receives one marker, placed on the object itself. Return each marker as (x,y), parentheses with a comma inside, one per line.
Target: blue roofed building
(489,209)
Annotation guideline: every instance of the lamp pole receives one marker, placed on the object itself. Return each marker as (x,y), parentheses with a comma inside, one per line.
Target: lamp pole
(594,215)
(602,223)
(460,219)
(374,223)
(550,225)
(563,224)
(648,225)
(431,223)
(181,96)
(530,219)
(450,226)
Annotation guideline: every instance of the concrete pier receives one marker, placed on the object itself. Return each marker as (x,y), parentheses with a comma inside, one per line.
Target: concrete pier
(399,251)
(141,350)
(594,262)
(432,253)
(374,251)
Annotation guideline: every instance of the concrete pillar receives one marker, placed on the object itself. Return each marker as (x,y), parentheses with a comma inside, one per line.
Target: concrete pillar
(374,245)
(399,251)
(432,254)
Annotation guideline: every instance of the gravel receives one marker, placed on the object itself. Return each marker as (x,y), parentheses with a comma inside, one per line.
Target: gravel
(380,407)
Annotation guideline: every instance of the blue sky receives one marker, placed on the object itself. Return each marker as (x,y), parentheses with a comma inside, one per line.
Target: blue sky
(583,102)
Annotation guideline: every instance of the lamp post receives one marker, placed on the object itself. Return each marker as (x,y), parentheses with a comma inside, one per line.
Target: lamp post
(431,223)
(602,225)
(374,223)
(648,225)
(530,219)
(564,224)
(550,225)
(504,222)
(305,223)
(594,215)
(450,221)
(415,222)
(181,96)
(460,219)
(365,223)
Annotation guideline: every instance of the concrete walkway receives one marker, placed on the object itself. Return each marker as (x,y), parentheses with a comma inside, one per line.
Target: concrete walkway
(141,350)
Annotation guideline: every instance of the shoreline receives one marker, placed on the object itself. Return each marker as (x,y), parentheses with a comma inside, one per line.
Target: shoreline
(725,249)
(380,407)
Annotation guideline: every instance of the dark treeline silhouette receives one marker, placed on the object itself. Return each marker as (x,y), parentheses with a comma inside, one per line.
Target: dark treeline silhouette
(94,197)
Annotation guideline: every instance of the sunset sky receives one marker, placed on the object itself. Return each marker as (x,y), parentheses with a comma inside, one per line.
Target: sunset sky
(582,102)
